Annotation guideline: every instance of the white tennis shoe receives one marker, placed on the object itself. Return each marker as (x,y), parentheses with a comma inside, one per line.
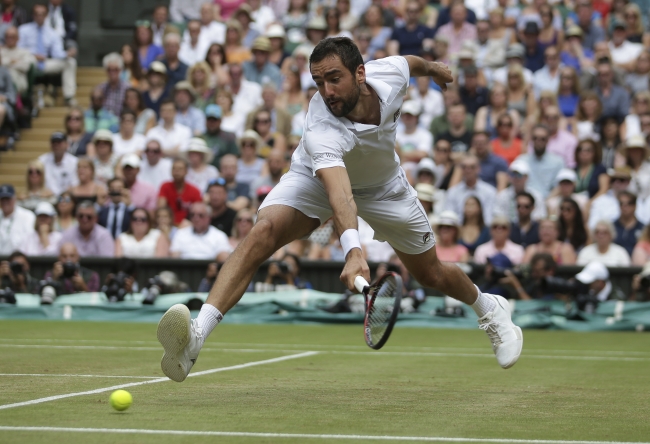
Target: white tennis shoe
(181,338)
(507,339)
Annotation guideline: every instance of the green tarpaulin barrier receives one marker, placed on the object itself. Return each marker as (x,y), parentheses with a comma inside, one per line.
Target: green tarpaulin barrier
(306,307)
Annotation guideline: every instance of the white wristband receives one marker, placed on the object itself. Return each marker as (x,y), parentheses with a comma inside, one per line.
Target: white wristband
(349,240)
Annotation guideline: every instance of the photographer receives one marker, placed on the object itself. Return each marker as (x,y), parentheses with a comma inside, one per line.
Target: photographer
(283,275)
(210,277)
(596,276)
(69,276)
(542,265)
(641,285)
(121,281)
(14,274)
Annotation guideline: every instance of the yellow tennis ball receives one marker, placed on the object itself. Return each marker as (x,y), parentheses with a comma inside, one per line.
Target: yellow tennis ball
(121,400)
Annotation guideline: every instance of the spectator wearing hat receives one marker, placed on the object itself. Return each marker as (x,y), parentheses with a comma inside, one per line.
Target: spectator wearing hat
(547,78)
(116,215)
(525,231)
(172,135)
(260,69)
(199,157)
(628,227)
(222,216)
(277,36)
(89,238)
(16,223)
(192,49)
(181,11)
(494,169)
(471,185)
(500,243)
(158,89)
(447,227)
(142,194)
(281,120)
(606,206)
(43,240)
(114,88)
(97,116)
(105,159)
(186,113)
(413,36)
(178,194)
(534,55)
(176,70)
(51,58)
(246,95)
(218,141)
(200,240)
(603,249)
(636,152)
(245,18)
(276,163)
(472,94)
(596,275)
(615,98)
(515,55)
(428,172)
(155,169)
(126,140)
(566,181)
(506,201)
(543,166)
(60,166)
(414,141)
(575,55)
(238,193)
(432,200)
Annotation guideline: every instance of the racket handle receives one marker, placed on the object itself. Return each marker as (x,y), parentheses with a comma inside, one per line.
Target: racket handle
(360,284)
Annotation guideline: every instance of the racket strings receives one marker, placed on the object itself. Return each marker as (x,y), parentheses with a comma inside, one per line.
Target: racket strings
(382,309)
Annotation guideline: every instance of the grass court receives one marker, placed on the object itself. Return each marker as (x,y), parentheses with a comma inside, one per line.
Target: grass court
(295,384)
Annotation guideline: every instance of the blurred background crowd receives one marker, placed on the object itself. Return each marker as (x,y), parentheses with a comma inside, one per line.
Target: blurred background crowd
(539,148)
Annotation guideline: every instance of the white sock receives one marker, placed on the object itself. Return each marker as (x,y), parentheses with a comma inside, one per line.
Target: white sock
(483,304)
(208,318)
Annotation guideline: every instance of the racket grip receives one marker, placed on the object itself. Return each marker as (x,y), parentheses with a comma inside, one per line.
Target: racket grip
(360,283)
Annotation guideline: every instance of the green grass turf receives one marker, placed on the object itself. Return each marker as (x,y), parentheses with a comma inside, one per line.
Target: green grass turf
(566,386)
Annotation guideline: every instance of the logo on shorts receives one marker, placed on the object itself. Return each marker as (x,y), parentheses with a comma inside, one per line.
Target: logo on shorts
(426,238)
(396,115)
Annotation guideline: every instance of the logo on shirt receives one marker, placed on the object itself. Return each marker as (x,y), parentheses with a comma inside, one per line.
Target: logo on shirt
(320,157)
(396,115)
(426,238)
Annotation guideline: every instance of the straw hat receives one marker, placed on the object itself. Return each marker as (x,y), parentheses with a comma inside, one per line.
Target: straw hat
(198,145)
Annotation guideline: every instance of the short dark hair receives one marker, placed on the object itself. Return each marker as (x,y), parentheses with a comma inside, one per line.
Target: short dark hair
(549,262)
(527,195)
(127,112)
(168,101)
(114,179)
(630,195)
(16,254)
(341,47)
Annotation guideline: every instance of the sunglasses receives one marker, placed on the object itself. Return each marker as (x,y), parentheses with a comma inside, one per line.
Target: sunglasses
(65,200)
(516,175)
(219,181)
(34,172)
(138,219)
(443,150)
(499,227)
(566,209)
(248,144)
(619,179)
(263,121)
(626,204)
(148,151)
(85,216)
(543,139)
(74,118)
(508,125)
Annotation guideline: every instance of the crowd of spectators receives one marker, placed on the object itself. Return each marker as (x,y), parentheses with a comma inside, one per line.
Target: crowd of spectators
(539,146)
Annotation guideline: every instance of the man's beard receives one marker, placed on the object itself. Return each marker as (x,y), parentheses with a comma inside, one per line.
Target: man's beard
(345,104)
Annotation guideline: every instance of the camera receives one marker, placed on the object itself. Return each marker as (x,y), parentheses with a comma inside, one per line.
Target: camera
(115,288)
(164,283)
(645,282)
(49,289)
(283,266)
(16,267)
(7,296)
(69,269)
(580,293)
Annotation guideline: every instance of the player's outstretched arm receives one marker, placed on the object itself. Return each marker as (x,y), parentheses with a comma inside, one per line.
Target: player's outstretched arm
(439,72)
(339,192)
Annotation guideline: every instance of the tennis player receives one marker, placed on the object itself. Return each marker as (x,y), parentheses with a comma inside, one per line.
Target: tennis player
(344,166)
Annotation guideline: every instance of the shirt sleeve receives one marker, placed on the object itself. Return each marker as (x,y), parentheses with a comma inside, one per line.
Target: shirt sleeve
(327,143)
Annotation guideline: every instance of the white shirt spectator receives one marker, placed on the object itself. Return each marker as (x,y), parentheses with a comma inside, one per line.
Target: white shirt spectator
(200,246)
(15,229)
(458,194)
(263,17)
(60,176)
(32,244)
(190,55)
(145,248)
(234,123)
(616,256)
(156,175)
(122,147)
(500,75)
(626,53)
(203,178)
(178,136)
(248,98)
(215,32)
(420,140)
(506,204)
(544,81)
(431,104)
(183,10)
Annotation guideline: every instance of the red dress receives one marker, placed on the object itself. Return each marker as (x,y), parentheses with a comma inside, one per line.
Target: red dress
(510,153)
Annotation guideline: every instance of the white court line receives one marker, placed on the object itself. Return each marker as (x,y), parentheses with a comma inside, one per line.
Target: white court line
(154,381)
(304,435)
(342,352)
(61,375)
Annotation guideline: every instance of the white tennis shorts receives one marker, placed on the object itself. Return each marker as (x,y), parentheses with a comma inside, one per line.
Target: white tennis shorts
(392,210)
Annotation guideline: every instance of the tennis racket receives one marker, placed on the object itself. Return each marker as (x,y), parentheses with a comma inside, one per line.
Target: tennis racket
(383,300)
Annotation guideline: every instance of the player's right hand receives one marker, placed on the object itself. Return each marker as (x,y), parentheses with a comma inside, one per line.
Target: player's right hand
(355,265)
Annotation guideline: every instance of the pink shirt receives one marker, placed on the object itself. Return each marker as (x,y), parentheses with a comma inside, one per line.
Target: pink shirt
(451,254)
(143,195)
(514,252)
(562,144)
(456,38)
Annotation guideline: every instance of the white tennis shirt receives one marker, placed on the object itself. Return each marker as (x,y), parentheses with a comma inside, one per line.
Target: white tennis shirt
(367,151)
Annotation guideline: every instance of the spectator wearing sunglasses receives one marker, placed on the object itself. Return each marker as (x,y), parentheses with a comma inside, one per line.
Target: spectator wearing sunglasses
(178,194)
(500,243)
(114,87)
(200,240)
(89,238)
(155,169)
(506,199)
(65,211)
(525,231)
(116,214)
(36,191)
(543,166)
(223,217)
(140,240)
(566,188)
(606,206)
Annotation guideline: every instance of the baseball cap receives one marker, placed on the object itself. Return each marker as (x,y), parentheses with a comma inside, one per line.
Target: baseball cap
(7,190)
(57,136)
(515,50)
(131,160)
(263,190)
(103,134)
(411,107)
(45,208)
(213,111)
(521,167)
(531,28)
(425,191)
(566,174)
(426,164)
(500,260)
(594,271)
(618,25)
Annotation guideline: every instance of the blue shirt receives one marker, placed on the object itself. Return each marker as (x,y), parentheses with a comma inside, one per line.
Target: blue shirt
(410,42)
(175,75)
(543,171)
(617,104)
(569,60)
(52,43)
(193,119)
(568,104)
(535,61)
(627,238)
(525,238)
(490,166)
(153,53)
(269,73)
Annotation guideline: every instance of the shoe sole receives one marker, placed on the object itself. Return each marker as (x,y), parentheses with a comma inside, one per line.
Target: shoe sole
(174,335)
(521,346)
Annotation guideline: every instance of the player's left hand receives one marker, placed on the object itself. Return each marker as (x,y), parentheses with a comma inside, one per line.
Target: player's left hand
(441,74)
